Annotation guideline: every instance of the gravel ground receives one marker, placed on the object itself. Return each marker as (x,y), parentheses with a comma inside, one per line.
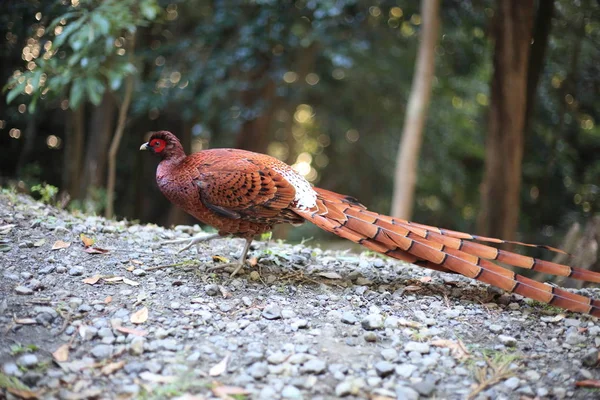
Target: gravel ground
(142,321)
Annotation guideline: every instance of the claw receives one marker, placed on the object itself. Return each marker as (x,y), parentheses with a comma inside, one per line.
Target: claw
(196,240)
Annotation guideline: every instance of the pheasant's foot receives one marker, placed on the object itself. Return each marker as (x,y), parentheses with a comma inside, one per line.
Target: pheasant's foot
(238,266)
(192,241)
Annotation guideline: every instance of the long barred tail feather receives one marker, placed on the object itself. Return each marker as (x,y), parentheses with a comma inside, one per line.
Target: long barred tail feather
(446,251)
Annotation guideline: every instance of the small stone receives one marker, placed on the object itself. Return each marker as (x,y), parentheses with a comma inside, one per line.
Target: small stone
(11,369)
(574,338)
(277,357)
(105,332)
(23,290)
(512,383)
(138,272)
(349,318)
(370,337)
(300,324)
(407,393)
(384,368)
(405,370)
(372,322)
(162,333)
(291,392)
(349,386)
(136,347)
(272,311)
(392,322)
(591,358)
(76,271)
(389,354)
(425,387)
(102,351)
(419,347)
(258,370)
(175,305)
(286,313)
(28,360)
(314,366)
(496,328)
(84,308)
(507,340)
(211,290)
(542,392)
(532,376)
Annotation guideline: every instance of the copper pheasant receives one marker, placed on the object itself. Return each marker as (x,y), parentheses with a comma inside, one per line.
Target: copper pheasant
(243,194)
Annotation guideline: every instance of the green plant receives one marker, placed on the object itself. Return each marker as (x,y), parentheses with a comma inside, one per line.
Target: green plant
(17,349)
(47,192)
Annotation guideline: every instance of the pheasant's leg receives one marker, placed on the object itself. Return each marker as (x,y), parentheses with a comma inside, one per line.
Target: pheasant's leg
(192,241)
(239,264)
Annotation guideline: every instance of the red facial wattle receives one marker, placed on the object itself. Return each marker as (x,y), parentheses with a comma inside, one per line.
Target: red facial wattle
(157,145)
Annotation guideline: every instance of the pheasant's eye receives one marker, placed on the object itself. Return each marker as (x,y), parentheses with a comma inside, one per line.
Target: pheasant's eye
(158,145)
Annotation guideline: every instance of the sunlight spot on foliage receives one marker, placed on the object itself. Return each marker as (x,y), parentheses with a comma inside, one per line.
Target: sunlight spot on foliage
(396,12)
(53,142)
(278,150)
(415,19)
(587,122)
(375,11)
(577,198)
(321,160)
(457,102)
(22,108)
(569,99)
(468,212)
(175,77)
(153,113)
(38,16)
(14,133)
(160,61)
(312,79)
(556,81)
(302,168)
(393,23)
(303,114)
(478,32)
(75,3)
(290,77)
(352,135)
(64,104)
(338,74)
(482,99)
(2,122)
(58,30)
(407,30)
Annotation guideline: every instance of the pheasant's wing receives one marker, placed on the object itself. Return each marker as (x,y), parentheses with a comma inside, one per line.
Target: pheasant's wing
(242,189)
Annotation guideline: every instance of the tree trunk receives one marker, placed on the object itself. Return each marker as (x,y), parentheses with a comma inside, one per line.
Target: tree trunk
(100,129)
(541,34)
(407,160)
(73,153)
(254,134)
(501,186)
(116,141)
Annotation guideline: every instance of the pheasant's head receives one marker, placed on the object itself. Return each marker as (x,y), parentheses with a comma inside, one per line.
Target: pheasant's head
(164,144)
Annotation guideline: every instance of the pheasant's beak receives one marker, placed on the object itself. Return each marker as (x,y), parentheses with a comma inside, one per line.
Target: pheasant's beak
(145,146)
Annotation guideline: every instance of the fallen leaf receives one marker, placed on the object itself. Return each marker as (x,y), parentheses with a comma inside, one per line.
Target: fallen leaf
(112,367)
(87,242)
(114,279)
(137,262)
(224,292)
(590,383)
(226,392)
(130,268)
(425,279)
(59,244)
(408,323)
(23,394)
(220,259)
(95,250)
(412,288)
(220,367)
(151,377)
(108,299)
(39,243)
(140,316)
(130,282)
(131,331)
(25,321)
(62,353)
(457,349)
(253,262)
(330,275)
(92,280)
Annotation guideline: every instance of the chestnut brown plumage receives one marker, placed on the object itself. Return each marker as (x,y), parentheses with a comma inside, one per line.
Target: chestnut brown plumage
(243,194)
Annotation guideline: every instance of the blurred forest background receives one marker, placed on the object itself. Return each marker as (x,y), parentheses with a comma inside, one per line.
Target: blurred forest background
(510,135)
